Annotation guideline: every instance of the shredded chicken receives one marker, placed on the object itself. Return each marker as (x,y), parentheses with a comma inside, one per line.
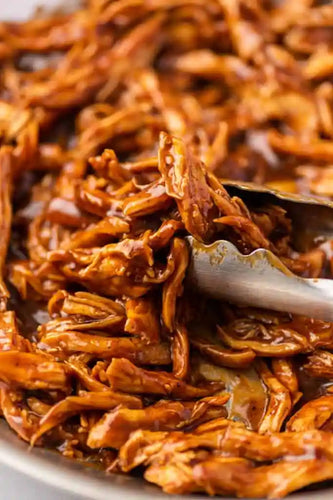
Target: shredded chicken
(126,126)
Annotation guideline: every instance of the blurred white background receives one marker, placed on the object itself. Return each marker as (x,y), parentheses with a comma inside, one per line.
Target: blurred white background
(17,10)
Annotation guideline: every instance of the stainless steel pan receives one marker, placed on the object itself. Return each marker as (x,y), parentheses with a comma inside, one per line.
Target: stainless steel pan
(58,477)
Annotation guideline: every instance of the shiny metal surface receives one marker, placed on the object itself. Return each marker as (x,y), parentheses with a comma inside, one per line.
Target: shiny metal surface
(72,481)
(59,477)
(312,217)
(65,478)
(259,279)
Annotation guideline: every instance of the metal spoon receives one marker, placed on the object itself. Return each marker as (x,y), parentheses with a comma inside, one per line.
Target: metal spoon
(312,217)
(259,279)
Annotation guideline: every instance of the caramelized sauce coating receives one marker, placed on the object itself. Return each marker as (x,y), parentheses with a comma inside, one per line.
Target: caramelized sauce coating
(121,125)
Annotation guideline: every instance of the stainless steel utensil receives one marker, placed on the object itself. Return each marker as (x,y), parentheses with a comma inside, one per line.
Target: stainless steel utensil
(259,279)
(311,216)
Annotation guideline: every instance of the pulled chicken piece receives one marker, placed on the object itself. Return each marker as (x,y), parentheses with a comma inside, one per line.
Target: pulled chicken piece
(127,126)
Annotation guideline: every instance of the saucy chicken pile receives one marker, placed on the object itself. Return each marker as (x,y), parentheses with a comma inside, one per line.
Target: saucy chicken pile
(120,125)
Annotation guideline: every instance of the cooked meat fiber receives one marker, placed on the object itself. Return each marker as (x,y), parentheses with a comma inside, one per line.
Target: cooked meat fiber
(120,125)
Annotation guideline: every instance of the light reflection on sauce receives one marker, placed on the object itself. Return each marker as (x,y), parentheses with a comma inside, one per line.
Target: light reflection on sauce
(311,387)
(248,397)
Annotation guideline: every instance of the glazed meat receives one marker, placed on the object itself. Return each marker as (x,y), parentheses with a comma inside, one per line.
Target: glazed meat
(124,128)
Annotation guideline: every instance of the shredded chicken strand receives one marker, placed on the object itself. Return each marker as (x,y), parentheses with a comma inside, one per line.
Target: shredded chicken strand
(126,126)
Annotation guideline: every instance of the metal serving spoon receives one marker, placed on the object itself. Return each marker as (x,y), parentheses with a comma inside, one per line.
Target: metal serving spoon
(261,279)
(312,216)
